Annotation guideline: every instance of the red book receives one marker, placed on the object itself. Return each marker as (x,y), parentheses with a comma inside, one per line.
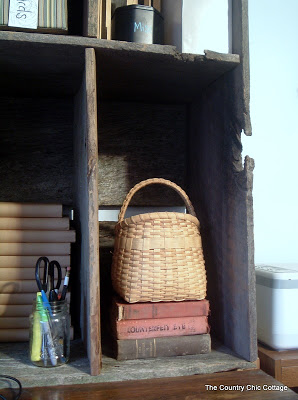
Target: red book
(160,327)
(123,310)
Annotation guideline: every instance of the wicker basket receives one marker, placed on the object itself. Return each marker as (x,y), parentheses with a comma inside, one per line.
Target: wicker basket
(158,256)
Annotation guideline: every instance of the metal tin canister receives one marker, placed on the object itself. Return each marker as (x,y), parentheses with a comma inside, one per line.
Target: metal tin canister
(137,23)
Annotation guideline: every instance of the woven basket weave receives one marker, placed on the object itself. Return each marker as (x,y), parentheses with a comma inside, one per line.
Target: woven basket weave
(158,256)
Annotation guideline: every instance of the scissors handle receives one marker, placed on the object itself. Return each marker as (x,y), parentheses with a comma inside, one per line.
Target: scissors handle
(53,294)
(44,285)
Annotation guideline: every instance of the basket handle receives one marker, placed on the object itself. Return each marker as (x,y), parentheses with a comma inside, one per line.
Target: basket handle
(147,182)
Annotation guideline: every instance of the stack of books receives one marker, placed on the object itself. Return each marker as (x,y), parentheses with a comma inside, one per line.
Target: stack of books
(52,14)
(27,232)
(151,330)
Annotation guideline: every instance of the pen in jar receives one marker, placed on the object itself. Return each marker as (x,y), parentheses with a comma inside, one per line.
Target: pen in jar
(65,284)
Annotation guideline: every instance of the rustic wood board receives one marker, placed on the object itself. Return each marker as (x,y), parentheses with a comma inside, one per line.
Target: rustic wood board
(91,24)
(126,71)
(240,80)
(15,362)
(138,141)
(221,190)
(36,149)
(86,211)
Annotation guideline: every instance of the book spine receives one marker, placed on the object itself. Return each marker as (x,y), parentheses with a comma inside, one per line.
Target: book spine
(8,302)
(33,210)
(6,12)
(64,15)
(14,335)
(28,286)
(48,20)
(161,310)
(14,322)
(21,335)
(40,13)
(31,249)
(19,274)
(17,299)
(59,14)
(30,261)
(162,347)
(13,310)
(139,329)
(32,236)
(34,223)
(2,12)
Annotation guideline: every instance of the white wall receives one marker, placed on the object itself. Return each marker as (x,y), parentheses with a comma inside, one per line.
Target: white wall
(274,143)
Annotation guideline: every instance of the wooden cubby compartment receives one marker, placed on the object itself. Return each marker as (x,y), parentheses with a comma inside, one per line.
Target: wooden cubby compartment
(83,120)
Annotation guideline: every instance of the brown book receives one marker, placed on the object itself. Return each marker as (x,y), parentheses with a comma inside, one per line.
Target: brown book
(133,349)
(159,327)
(16,310)
(30,261)
(8,300)
(28,286)
(31,249)
(17,298)
(21,335)
(35,223)
(124,310)
(31,236)
(14,335)
(19,274)
(10,209)
(14,322)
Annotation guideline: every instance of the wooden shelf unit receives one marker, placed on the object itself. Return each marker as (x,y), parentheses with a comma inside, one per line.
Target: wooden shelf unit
(179,116)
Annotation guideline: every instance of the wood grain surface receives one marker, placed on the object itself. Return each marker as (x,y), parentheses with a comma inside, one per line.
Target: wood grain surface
(137,141)
(183,388)
(86,210)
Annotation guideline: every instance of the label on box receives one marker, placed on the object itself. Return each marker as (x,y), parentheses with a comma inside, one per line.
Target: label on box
(23,14)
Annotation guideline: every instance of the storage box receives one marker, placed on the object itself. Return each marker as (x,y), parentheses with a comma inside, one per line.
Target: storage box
(277,299)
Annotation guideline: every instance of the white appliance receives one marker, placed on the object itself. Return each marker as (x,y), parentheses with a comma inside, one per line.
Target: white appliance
(277,306)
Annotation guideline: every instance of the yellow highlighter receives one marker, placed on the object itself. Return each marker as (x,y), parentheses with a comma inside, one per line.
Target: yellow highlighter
(36,336)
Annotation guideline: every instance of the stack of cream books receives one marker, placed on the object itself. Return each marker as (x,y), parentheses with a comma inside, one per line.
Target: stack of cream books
(52,15)
(28,231)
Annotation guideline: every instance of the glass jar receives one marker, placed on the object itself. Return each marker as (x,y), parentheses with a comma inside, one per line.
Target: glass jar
(49,333)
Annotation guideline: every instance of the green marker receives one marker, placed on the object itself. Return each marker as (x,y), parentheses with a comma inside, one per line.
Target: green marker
(46,329)
(37,337)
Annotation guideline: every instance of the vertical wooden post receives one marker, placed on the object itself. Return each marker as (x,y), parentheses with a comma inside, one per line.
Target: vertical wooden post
(130,2)
(86,209)
(92,18)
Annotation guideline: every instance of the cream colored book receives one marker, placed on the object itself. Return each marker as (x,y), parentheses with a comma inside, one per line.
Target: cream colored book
(10,209)
(31,249)
(19,274)
(14,335)
(18,298)
(26,286)
(21,335)
(52,224)
(59,13)
(30,261)
(13,310)
(6,11)
(14,322)
(35,236)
